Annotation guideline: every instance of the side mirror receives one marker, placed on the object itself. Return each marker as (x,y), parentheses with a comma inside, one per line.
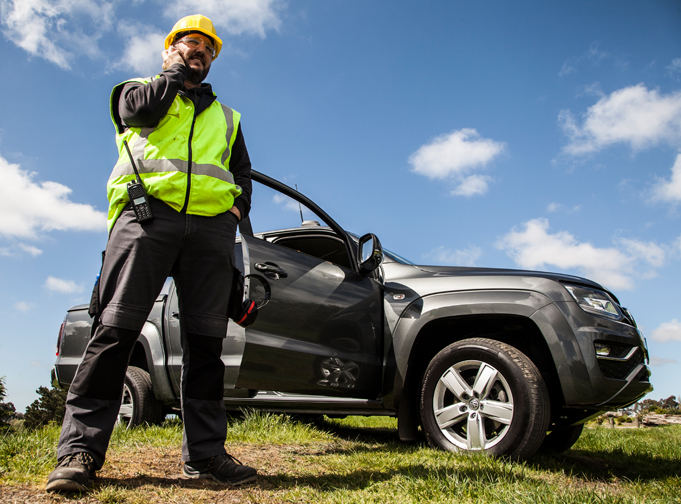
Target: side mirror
(370,253)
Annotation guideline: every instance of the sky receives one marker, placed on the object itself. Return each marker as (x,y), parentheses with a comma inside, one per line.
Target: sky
(525,134)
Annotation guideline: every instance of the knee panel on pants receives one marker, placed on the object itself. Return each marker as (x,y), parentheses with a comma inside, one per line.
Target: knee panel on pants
(102,371)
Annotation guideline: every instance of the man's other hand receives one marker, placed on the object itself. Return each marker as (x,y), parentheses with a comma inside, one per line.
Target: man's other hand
(236,212)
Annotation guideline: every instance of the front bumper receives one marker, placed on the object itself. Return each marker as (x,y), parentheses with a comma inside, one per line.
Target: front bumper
(618,374)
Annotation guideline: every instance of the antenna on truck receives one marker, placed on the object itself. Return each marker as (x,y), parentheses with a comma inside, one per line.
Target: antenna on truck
(300,207)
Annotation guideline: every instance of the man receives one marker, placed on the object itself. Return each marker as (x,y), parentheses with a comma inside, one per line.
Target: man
(193,162)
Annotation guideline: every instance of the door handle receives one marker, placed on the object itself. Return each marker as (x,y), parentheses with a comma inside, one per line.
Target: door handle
(271,268)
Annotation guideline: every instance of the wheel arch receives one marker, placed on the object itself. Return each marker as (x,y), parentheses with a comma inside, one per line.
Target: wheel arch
(446,319)
(148,354)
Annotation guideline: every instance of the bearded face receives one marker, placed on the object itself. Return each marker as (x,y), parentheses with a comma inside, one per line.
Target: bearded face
(197,56)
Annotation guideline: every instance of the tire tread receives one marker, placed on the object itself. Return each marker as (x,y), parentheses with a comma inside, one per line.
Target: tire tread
(148,410)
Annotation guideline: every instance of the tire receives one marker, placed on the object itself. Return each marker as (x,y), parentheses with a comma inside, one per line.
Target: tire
(138,405)
(561,440)
(482,395)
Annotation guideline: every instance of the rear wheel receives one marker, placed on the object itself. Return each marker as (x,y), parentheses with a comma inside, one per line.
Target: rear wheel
(138,405)
(484,395)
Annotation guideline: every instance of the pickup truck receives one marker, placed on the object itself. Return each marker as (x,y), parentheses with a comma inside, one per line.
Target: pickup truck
(476,359)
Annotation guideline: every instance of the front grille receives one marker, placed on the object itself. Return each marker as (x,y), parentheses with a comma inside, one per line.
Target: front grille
(619,370)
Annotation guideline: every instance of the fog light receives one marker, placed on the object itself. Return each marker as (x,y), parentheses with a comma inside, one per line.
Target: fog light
(602,350)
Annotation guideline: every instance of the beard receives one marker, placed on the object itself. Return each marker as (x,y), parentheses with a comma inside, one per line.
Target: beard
(197,76)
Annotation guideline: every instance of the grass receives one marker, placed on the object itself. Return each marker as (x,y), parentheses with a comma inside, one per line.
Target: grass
(356,460)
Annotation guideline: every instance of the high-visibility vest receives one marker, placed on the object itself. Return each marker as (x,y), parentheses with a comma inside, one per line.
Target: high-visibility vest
(183,160)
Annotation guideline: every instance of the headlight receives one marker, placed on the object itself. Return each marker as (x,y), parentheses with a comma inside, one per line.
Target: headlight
(595,301)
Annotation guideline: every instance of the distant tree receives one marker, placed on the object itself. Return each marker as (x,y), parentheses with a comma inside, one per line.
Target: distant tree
(7,410)
(669,406)
(647,406)
(669,403)
(50,407)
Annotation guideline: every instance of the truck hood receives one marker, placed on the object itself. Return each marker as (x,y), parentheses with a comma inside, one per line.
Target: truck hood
(459,271)
(422,280)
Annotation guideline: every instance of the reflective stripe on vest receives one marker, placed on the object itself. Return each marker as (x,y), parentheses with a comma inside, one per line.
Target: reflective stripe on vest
(161,154)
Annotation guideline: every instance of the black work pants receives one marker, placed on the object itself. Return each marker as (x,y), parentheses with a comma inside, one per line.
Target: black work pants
(199,253)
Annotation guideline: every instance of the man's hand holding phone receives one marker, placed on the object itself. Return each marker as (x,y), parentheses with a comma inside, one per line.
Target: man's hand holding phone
(171,56)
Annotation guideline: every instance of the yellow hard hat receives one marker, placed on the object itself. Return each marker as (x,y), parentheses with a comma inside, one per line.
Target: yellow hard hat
(195,23)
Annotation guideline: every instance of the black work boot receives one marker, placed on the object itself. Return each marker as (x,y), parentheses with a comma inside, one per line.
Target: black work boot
(72,474)
(223,469)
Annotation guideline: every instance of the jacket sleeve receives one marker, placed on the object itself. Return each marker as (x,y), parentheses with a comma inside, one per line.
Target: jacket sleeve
(240,166)
(142,105)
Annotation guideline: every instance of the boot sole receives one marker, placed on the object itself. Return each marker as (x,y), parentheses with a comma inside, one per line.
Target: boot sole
(65,485)
(248,479)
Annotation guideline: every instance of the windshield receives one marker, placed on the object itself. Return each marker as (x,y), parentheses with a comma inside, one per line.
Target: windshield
(397,258)
(390,255)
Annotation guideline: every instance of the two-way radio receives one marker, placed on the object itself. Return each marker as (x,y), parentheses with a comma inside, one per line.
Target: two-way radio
(137,194)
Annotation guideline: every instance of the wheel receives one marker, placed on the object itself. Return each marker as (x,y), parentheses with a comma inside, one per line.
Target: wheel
(561,440)
(484,395)
(138,405)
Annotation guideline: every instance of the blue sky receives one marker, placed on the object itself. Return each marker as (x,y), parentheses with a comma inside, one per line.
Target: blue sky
(537,135)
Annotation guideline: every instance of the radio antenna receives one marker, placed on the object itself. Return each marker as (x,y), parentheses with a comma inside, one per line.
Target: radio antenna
(301,209)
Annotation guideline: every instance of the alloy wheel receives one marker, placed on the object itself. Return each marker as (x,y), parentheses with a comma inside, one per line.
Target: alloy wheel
(473,405)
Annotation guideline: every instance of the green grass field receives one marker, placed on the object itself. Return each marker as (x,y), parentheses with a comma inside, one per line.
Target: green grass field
(355,460)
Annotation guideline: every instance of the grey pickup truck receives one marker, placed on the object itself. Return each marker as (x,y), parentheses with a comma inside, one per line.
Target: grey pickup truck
(503,361)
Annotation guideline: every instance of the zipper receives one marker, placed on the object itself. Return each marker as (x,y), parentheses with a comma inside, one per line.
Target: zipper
(189,159)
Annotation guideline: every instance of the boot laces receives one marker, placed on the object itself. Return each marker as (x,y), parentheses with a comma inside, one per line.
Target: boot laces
(81,458)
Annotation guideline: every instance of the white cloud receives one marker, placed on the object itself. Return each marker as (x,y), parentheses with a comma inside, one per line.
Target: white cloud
(46,28)
(668,331)
(17,249)
(27,206)
(292,205)
(28,22)
(30,249)
(287,203)
(62,30)
(635,115)
(661,361)
(648,252)
(22,306)
(669,190)
(592,90)
(534,247)
(236,17)
(62,286)
(454,154)
(472,185)
(593,56)
(557,207)
(675,66)
(142,53)
(446,256)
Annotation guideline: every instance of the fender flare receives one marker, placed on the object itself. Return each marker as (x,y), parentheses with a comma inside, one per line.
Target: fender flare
(532,305)
(150,340)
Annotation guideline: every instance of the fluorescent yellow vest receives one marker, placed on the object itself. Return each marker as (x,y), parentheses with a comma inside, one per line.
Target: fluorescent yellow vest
(162,156)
